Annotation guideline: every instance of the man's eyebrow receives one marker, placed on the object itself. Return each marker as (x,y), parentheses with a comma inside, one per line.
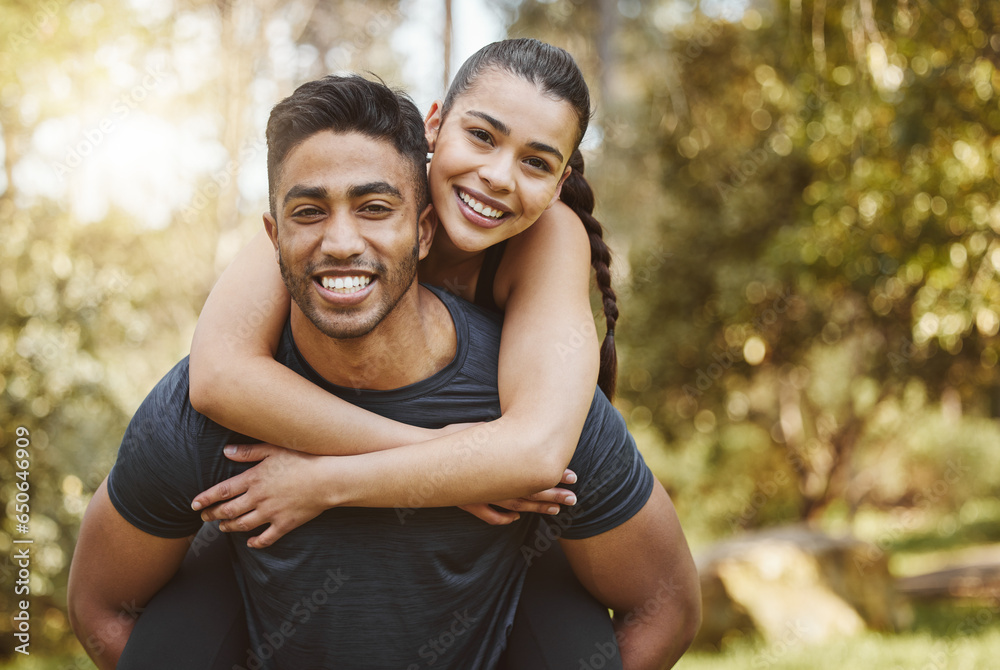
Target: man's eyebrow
(321,193)
(301,191)
(504,129)
(373,188)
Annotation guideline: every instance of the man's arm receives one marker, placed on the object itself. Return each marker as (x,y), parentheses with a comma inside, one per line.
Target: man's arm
(643,570)
(116,569)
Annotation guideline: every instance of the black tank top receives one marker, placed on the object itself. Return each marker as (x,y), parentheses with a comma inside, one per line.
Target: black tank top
(487,275)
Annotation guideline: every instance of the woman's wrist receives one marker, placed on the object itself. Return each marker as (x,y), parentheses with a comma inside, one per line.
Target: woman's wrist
(345,479)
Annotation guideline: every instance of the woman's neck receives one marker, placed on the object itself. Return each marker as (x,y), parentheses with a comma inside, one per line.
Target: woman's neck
(451,268)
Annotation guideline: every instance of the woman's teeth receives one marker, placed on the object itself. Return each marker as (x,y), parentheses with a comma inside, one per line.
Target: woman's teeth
(346,284)
(480,207)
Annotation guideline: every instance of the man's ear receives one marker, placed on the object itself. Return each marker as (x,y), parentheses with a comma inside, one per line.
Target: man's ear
(271,226)
(432,123)
(562,181)
(426,225)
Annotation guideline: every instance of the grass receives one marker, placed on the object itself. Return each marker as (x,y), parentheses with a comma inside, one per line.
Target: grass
(36,662)
(945,636)
(906,651)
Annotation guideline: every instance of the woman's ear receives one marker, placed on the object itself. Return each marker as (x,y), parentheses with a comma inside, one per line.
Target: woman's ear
(558,192)
(432,123)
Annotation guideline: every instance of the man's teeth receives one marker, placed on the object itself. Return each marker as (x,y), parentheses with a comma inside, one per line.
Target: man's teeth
(346,284)
(480,207)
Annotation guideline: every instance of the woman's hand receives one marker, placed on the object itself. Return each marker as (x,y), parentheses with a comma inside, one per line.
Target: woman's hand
(543,502)
(286,489)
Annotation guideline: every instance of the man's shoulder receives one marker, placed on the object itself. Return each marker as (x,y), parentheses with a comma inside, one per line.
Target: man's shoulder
(168,398)
(603,416)
(166,416)
(478,317)
(164,455)
(478,334)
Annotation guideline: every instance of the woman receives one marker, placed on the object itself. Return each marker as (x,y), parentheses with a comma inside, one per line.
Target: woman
(507,185)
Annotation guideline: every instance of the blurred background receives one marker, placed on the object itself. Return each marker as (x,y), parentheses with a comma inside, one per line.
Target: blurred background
(802,198)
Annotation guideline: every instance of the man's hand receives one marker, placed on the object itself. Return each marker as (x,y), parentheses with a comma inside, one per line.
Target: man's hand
(286,489)
(543,502)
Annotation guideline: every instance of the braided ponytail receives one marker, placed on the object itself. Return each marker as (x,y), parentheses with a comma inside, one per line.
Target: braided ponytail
(555,72)
(577,194)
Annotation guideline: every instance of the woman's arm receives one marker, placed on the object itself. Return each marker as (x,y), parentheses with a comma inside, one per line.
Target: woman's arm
(548,373)
(549,349)
(236,382)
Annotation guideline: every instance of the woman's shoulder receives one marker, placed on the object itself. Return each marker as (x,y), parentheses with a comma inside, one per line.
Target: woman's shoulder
(556,243)
(557,230)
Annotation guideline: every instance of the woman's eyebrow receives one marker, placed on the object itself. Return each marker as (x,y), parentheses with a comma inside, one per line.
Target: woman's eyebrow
(504,129)
(501,127)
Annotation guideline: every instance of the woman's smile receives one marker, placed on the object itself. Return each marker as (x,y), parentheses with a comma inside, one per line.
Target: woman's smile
(499,158)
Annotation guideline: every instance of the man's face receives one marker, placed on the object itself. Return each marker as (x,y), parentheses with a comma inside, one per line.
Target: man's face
(347,233)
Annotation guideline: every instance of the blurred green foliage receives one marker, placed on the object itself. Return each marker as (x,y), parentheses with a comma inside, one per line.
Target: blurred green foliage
(807,193)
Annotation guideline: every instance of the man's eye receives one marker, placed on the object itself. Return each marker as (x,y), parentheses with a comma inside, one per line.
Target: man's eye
(376,209)
(308,212)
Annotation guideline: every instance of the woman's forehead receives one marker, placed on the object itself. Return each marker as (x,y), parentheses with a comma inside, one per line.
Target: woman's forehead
(522,107)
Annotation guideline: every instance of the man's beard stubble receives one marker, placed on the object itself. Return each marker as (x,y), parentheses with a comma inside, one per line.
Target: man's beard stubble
(340,325)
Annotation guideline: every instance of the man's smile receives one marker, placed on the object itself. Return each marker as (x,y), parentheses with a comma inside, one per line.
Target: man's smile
(346,284)
(345,289)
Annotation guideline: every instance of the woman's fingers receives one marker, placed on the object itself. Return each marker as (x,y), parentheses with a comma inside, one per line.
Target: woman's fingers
(525,505)
(243,523)
(231,509)
(491,516)
(267,538)
(554,495)
(245,453)
(232,487)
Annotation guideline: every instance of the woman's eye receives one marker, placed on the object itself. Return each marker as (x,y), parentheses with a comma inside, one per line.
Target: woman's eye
(481,135)
(538,164)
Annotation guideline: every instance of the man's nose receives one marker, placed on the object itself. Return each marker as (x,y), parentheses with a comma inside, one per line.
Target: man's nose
(342,237)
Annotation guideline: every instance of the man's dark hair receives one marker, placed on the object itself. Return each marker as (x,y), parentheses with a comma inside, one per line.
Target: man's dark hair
(343,105)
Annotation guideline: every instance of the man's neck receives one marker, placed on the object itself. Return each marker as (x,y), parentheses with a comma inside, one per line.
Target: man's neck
(416,340)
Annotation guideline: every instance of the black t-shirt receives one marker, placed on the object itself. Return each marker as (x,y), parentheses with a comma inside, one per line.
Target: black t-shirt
(378,588)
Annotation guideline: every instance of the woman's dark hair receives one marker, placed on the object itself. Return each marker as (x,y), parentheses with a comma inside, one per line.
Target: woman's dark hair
(555,73)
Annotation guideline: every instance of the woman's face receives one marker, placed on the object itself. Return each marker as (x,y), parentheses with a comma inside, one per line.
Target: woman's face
(499,158)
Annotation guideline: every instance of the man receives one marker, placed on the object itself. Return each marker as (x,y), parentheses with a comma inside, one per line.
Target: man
(361,587)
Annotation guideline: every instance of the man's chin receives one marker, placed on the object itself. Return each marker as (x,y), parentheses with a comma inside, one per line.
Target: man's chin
(344,329)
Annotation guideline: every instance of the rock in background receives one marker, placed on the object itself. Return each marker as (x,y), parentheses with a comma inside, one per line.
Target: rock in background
(796,584)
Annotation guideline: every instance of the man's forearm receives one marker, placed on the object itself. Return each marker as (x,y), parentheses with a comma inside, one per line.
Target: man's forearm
(653,643)
(104,636)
